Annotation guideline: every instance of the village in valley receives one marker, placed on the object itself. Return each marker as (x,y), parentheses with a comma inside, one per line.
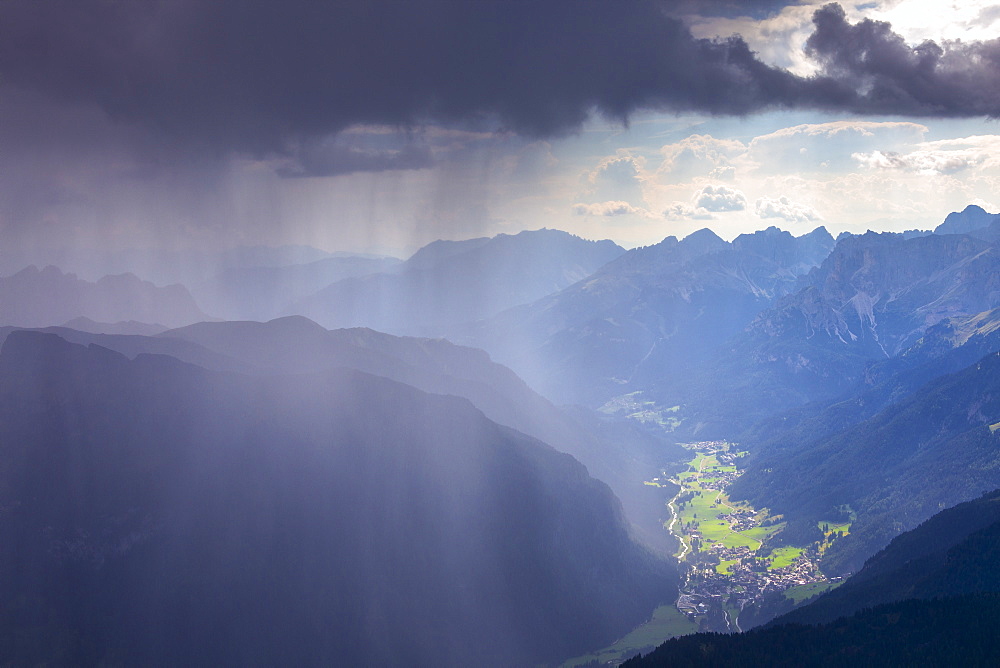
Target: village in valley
(727,558)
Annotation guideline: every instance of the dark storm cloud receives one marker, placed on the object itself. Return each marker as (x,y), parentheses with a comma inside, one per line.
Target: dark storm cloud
(320,159)
(250,74)
(262,76)
(758,9)
(889,76)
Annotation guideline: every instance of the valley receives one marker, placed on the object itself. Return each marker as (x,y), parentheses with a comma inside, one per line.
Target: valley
(729,553)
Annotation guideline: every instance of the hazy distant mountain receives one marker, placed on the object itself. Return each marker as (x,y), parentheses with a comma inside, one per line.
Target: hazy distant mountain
(33,298)
(438,251)
(649,315)
(264,292)
(163,266)
(194,517)
(877,293)
(453,282)
(126,327)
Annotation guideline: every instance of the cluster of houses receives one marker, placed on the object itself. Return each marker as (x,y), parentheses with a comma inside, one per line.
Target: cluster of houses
(740,519)
(747,574)
(748,578)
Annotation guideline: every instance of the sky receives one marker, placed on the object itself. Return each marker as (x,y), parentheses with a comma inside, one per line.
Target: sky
(380,126)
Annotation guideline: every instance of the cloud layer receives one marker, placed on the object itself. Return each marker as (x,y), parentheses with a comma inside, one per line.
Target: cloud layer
(253,75)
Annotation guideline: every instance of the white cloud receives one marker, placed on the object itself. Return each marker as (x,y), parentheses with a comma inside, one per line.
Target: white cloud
(619,168)
(681,211)
(919,20)
(720,198)
(616,177)
(726,173)
(698,155)
(922,162)
(608,209)
(939,157)
(784,209)
(825,147)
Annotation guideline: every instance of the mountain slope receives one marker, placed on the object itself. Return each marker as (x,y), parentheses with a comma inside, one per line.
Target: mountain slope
(954,631)
(619,452)
(955,552)
(202,518)
(968,221)
(946,347)
(931,450)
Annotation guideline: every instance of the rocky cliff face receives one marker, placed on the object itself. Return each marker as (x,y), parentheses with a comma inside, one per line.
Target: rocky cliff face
(880,292)
(873,298)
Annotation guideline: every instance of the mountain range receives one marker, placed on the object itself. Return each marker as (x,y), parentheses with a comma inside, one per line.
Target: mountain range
(485,492)
(871,300)
(649,316)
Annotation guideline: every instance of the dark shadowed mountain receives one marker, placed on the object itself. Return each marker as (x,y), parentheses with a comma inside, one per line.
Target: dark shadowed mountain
(452,282)
(931,450)
(616,451)
(33,298)
(940,632)
(648,316)
(132,345)
(156,512)
(263,293)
